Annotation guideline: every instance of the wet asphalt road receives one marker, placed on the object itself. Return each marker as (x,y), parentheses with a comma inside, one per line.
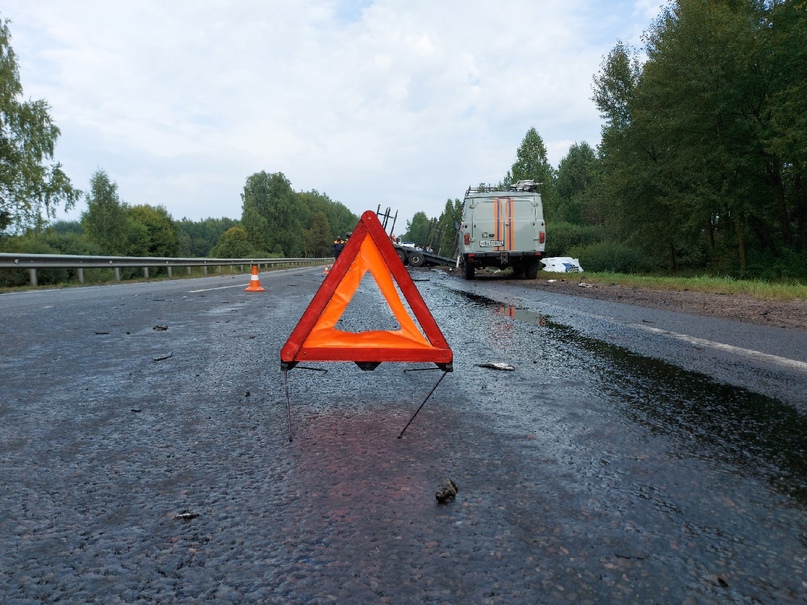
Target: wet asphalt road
(615,464)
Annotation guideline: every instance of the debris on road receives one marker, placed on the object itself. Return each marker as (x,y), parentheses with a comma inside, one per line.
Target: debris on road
(160,328)
(447,491)
(562,264)
(164,357)
(718,580)
(186,516)
(497,365)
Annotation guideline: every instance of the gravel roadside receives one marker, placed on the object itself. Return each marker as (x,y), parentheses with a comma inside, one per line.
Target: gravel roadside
(782,314)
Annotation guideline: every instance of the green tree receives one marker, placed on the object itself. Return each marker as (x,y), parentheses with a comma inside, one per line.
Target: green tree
(105,221)
(696,106)
(417,229)
(445,240)
(729,181)
(31,184)
(340,219)
(614,88)
(785,135)
(161,233)
(234,243)
(68,238)
(703,147)
(271,215)
(577,173)
(532,163)
(318,238)
(197,238)
(642,208)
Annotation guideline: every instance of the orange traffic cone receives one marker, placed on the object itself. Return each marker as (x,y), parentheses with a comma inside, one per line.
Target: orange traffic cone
(254,282)
(325,271)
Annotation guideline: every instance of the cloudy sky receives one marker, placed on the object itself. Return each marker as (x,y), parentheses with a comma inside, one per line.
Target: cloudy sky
(402,103)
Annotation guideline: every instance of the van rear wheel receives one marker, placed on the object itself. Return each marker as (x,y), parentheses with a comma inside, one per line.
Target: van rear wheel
(468,270)
(531,269)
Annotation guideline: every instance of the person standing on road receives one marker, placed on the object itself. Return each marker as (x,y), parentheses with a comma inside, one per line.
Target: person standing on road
(338,246)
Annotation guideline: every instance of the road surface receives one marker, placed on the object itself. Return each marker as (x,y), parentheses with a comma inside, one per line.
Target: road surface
(631,456)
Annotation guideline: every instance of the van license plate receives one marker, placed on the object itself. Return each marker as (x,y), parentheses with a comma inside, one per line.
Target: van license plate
(491,243)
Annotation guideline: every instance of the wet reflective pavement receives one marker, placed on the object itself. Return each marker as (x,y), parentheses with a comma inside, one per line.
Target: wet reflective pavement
(589,474)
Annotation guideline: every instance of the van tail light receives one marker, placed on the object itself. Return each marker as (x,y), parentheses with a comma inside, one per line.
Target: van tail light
(466,238)
(541,237)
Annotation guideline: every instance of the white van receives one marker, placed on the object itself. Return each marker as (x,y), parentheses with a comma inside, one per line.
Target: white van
(502,228)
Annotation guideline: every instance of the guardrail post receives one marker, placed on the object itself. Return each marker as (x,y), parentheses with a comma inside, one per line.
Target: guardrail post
(32,273)
(81,275)
(170,274)
(205,269)
(117,273)
(189,271)
(146,272)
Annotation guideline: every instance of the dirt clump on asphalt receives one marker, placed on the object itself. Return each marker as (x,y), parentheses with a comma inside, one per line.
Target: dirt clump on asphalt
(781,314)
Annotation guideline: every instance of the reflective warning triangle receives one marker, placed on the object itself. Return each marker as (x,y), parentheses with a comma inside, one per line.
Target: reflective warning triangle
(316,338)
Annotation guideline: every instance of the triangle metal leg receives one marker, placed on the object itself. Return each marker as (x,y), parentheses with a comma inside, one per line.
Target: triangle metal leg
(424,402)
(285,368)
(288,400)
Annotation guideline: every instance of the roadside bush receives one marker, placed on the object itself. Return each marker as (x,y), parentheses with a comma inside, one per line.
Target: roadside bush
(20,277)
(610,256)
(71,243)
(562,237)
(789,267)
(233,243)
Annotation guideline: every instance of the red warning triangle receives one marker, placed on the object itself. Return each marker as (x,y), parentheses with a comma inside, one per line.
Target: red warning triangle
(316,338)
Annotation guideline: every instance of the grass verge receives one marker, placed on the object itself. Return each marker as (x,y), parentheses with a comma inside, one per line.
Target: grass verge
(717,285)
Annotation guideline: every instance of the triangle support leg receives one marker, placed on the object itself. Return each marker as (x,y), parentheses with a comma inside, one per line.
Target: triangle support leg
(285,367)
(424,402)
(288,400)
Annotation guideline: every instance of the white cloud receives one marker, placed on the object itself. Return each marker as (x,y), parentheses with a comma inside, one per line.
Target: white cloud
(648,9)
(402,103)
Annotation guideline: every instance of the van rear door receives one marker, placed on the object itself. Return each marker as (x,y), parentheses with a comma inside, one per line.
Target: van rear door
(513,225)
(522,219)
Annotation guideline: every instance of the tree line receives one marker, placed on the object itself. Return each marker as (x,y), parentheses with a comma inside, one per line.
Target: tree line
(276,221)
(701,165)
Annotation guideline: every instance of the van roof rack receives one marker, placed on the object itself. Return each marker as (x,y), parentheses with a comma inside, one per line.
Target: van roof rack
(526,185)
(523,185)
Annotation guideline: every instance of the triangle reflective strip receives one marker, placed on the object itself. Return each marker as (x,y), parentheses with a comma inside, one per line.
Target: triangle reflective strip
(324,332)
(315,338)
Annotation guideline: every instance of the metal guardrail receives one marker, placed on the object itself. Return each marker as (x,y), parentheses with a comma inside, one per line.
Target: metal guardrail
(32,262)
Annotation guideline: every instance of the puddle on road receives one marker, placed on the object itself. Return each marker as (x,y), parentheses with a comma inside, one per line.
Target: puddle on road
(706,420)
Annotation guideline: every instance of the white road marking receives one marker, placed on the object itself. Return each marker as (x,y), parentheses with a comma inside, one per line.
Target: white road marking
(219,288)
(786,362)
(783,361)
